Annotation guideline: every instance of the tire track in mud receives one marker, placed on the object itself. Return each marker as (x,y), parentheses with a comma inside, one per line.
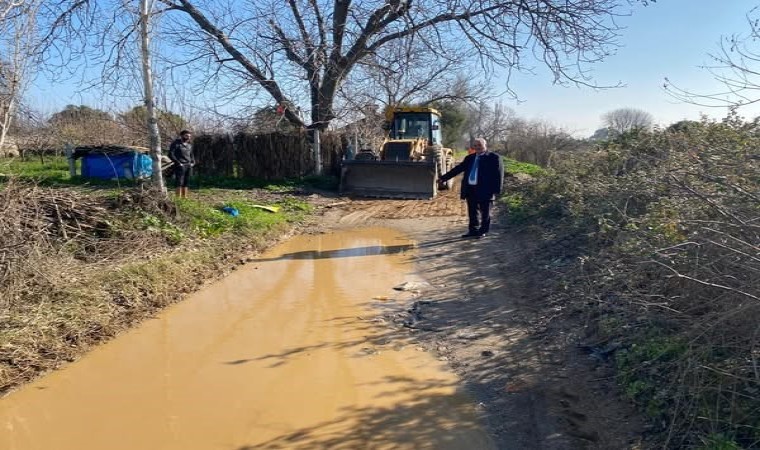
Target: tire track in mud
(358,212)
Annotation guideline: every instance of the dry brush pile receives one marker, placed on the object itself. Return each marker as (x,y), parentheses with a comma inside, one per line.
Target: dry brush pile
(659,237)
(77,267)
(52,242)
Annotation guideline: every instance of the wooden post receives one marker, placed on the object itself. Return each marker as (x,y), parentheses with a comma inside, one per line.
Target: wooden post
(356,148)
(317,153)
(69,150)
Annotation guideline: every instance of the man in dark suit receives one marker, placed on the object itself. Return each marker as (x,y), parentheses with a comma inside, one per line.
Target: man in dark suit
(482,181)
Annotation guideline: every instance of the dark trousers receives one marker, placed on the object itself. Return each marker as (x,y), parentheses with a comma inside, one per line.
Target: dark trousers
(480,215)
(182,174)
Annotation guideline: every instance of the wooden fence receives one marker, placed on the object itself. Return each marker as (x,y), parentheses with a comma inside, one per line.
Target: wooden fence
(268,156)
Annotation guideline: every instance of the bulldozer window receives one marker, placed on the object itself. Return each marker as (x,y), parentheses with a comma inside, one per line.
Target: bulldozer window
(410,126)
(437,134)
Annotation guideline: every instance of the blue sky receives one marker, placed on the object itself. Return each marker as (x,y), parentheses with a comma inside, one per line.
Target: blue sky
(670,38)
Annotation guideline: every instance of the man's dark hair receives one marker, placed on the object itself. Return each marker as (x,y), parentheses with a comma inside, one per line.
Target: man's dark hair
(183,132)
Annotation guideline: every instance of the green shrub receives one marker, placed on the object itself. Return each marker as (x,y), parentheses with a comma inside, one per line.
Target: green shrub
(512,167)
(670,261)
(171,232)
(720,442)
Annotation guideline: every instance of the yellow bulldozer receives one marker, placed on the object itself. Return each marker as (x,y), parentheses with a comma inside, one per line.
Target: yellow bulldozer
(408,163)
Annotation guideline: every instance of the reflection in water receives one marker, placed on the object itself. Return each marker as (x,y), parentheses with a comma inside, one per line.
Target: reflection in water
(274,356)
(344,252)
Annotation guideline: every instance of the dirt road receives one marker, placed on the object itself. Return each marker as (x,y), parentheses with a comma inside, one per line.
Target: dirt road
(333,359)
(486,317)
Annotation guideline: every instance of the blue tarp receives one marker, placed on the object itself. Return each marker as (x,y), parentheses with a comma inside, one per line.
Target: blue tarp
(128,165)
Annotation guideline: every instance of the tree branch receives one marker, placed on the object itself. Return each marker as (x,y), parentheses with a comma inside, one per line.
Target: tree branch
(706,283)
(269,85)
(321,29)
(288,46)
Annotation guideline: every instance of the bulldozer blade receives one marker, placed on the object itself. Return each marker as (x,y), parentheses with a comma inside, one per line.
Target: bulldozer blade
(388,179)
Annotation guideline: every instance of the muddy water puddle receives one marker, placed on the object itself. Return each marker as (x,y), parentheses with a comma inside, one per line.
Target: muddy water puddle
(279,355)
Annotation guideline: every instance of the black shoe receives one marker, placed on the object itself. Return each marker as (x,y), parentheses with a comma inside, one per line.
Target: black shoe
(470,235)
(482,235)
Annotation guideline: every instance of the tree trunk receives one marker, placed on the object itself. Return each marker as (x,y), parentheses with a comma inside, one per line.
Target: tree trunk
(5,125)
(146,7)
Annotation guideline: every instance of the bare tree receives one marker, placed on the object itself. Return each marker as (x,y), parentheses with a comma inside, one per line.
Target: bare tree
(535,141)
(18,56)
(492,122)
(133,123)
(735,64)
(35,135)
(107,33)
(627,119)
(405,73)
(146,11)
(302,51)
(8,7)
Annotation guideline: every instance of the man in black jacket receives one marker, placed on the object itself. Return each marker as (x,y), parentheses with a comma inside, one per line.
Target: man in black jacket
(482,181)
(181,154)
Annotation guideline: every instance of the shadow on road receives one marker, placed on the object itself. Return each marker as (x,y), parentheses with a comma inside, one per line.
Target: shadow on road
(420,421)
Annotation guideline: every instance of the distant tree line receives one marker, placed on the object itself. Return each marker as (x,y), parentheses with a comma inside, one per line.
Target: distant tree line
(84,125)
(534,141)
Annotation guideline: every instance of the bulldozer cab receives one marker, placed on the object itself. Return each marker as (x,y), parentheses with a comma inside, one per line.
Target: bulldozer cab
(416,123)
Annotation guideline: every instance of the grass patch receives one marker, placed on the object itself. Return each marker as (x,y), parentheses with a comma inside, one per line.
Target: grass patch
(148,285)
(720,442)
(517,209)
(54,166)
(512,166)
(322,182)
(173,234)
(54,171)
(51,169)
(210,220)
(639,368)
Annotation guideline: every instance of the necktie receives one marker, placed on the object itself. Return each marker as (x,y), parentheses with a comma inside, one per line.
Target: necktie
(473,179)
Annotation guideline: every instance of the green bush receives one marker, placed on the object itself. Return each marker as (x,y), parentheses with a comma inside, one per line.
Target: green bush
(173,234)
(512,167)
(670,257)
(720,442)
